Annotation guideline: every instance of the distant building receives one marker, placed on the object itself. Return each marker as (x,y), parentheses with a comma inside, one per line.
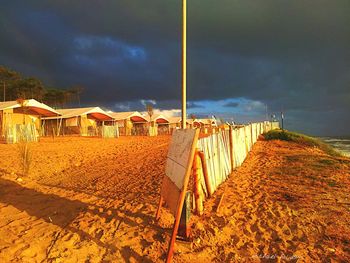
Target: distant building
(174,123)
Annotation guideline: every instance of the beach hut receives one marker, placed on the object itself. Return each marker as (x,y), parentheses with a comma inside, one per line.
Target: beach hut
(174,123)
(22,119)
(131,123)
(92,121)
(197,123)
(159,125)
(207,123)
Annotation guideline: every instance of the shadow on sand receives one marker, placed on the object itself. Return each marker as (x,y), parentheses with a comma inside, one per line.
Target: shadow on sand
(62,212)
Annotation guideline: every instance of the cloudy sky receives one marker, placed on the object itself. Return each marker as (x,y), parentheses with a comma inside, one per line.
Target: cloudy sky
(293,56)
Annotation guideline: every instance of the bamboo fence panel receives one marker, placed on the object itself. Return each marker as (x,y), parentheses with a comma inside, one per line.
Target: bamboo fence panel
(109,131)
(21,133)
(217,152)
(217,156)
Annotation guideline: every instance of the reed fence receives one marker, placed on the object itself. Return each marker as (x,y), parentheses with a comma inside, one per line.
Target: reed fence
(109,131)
(20,133)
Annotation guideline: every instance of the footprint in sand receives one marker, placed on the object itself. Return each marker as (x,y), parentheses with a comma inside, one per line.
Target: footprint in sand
(286,230)
(258,237)
(263,224)
(275,237)
(254,227)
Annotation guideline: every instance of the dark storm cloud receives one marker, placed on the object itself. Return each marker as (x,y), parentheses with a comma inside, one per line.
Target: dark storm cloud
(231,104)
(291,55)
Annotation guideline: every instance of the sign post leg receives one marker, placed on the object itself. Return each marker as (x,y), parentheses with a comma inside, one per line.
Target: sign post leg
(159,207)
(176,225)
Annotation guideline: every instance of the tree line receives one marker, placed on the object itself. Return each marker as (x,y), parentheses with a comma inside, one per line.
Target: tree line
(14,86)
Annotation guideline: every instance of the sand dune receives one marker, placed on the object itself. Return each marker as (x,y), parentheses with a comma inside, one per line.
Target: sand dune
(285,202)
(94,200)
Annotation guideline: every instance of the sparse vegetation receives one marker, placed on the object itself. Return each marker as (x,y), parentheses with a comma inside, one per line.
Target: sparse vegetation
(332,183)
(285,135)
(327,162)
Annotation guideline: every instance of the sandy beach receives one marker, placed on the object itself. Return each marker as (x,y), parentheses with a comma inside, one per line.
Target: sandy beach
(94,200)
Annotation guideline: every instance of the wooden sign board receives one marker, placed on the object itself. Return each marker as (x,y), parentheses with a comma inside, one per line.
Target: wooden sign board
(177,173)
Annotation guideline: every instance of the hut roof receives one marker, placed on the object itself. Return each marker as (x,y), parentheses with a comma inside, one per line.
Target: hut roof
(95,112)
(31,104)
(174,119)
(134,116)
(159,118)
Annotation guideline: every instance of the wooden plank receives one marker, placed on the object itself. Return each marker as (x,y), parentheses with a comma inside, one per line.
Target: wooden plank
(175,172)
(210,165)
(179,152)
(232,150)
(241,145)
(170,194)
(210,159)
(214,150)
(235,147)
(223,159)
(251,137)
(180,146)
(227,154)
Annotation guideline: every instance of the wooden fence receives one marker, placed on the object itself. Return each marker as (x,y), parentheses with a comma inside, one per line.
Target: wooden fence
(227,149)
